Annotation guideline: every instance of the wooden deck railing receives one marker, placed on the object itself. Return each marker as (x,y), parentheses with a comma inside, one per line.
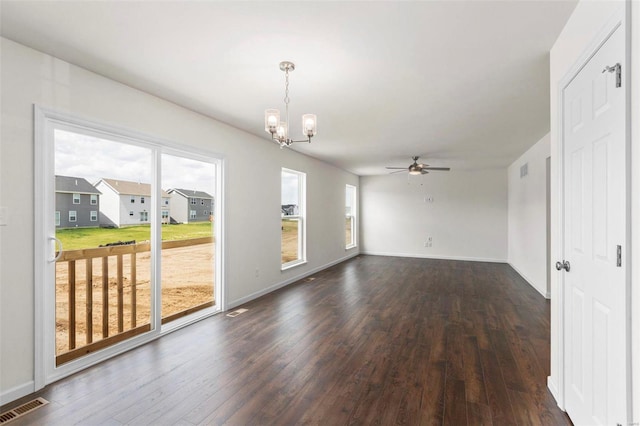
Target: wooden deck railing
(124,331)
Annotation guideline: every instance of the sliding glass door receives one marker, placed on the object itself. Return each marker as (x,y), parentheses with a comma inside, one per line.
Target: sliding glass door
(125,241)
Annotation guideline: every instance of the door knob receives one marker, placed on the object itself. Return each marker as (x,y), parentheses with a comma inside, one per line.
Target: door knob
(563,265)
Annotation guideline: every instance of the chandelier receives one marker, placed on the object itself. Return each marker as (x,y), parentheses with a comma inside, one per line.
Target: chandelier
(280,129)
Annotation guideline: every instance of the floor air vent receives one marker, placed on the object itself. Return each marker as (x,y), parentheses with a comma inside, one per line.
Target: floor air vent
(21,410)
(237,312)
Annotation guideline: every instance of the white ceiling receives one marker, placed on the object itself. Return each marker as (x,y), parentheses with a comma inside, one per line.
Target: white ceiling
(464,84)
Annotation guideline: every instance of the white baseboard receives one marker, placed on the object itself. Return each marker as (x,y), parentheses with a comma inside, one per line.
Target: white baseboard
(421,256)
(253,296)
(544,293)
(16,392)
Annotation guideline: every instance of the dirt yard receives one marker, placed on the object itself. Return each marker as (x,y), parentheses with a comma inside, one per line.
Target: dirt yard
(187,281)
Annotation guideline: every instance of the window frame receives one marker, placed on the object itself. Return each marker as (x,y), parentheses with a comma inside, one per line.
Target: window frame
(74,215)
(353,216)
(300,217)
(93,199)
(57,218)
(93,214)
(75,200)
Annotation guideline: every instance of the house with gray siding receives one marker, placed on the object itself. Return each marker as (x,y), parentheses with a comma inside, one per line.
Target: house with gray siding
(77,203)
(189,205)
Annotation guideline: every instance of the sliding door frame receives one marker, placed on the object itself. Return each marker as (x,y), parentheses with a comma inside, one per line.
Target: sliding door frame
(46,121)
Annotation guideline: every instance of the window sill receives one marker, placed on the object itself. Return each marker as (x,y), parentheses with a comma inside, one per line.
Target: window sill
(293,264)
(350,247)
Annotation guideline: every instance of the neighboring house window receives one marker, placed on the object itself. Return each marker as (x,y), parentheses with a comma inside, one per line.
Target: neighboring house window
(76,198)
(192,214)
(94,199)
(205,213)
(350,215)
(57,218)
(202,202)
(165,215)
(141,200)
(193,201)
(94,216)
(133,200)
(144,216)
(131,213)
(293,196)
(166,202)
(73,215)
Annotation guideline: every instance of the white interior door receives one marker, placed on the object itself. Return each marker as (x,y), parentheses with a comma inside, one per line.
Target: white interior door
(595,325)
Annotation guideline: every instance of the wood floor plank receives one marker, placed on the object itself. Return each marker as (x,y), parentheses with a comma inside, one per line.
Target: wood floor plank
(373,340)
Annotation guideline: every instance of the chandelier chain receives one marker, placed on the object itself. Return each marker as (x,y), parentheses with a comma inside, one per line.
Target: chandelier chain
(286,87)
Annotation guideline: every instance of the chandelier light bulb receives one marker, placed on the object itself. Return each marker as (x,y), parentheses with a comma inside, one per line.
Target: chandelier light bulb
(309,125)
(271,120)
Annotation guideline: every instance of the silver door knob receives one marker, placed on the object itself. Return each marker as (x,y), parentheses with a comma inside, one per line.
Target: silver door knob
(563,265)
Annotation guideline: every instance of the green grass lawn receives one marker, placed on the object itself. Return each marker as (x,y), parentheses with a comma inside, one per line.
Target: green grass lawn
(80,238)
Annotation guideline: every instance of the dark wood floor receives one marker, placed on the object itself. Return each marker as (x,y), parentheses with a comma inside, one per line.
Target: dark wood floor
(374,340)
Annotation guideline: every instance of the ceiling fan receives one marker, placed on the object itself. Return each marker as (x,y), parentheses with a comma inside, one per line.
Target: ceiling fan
(418,169)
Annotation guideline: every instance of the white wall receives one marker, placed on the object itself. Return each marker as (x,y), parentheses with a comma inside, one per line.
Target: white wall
(467,218)
(528,215)
(252,203)
(587,20)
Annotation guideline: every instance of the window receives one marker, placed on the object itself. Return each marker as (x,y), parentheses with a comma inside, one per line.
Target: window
(293,213)
(57,218)
(94,199)
(93,216)
(133,199)
(165,215)
(193,201)
(192,214)
(166,202)
(76,198)
(202,202)
(73,215)
(144,216)
(131,213)
(350,214)
(141,200)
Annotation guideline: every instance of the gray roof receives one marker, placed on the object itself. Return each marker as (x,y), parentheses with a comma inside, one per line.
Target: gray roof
(191,193)
(75,185)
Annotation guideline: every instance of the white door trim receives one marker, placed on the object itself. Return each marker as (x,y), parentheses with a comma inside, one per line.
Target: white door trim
(620,19)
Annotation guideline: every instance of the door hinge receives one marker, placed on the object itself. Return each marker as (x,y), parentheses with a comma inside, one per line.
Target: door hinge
(619,256)
(617,68)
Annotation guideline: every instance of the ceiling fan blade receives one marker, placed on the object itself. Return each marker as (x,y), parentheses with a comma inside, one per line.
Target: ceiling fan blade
(397,171)
(424,171)
(446,169)
(403,168)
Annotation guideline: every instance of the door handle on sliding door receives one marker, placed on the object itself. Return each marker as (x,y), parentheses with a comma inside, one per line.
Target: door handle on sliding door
(55,259)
